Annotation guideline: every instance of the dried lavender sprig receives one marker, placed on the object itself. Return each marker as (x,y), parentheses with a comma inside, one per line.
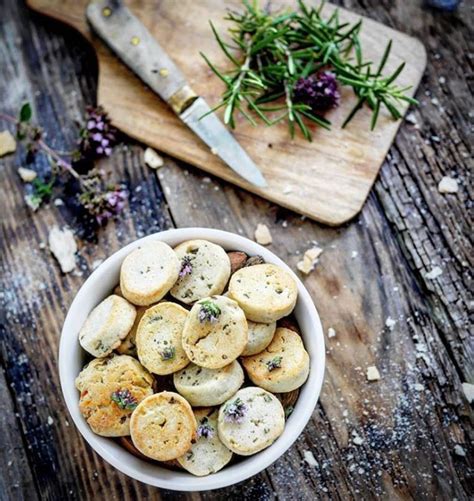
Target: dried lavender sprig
(274,363)
(205,430)
(186,267)
(209,311)
(234,412)
(124,399)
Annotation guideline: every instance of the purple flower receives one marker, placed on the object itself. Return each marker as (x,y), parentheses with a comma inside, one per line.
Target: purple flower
(98,135)
(124,399)
(234,412)
(274,363)
(320,91)
(209,311)
(104,205)
(205,430)
(186,267)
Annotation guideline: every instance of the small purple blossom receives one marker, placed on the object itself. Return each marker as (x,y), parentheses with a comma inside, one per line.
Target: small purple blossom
(98,136)
(124,399)
(186,267)
(205,430)
(320,91)
(274,363)
(209,311)
(104,205)
(234,412)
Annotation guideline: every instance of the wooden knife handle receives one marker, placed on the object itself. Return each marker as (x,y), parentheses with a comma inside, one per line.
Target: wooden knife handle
(126,35)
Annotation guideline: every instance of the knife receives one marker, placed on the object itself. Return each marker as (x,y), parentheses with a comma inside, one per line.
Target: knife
(136,47)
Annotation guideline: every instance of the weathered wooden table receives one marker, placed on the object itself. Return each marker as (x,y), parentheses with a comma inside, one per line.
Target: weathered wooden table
(370,286)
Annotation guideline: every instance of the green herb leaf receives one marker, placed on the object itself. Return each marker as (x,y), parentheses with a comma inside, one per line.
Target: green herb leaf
(25,112)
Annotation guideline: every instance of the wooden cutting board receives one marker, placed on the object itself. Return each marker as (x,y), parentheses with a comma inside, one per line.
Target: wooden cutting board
(327,180)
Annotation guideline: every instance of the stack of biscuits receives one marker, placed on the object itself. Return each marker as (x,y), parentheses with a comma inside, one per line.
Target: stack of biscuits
(196,355)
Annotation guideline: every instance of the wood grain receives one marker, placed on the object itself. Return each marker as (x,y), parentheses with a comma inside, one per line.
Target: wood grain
(374,268)
(329,178)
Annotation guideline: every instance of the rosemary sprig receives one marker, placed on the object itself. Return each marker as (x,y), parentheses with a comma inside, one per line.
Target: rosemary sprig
(270,53)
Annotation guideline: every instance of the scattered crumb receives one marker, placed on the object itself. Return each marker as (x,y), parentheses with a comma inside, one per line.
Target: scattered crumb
(459,451)
(309,260)
(263,235)
(152,159)
(27,175)
(95,264)
(7,143)
(214,151)
(287,190)
(358,440)
(309,458)
(331,332)
(434,273)
(354,254)
(50,420)
(468,390)
(373,373)
(448,185)
(58,202)
(63,246)
(411,119)
(32,202)
(390,323)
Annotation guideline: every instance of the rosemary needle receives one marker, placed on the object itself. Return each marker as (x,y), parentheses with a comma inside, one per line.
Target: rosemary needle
(271,54)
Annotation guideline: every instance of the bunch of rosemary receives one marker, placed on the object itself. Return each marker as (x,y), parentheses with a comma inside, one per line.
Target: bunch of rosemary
(271,53)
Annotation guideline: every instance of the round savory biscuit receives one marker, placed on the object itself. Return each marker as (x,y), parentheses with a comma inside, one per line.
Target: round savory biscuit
(158,338)
(148,273)
(215,332)
(205,270)
(203,387)
(250,421)
(111,388)
(107,324)
(259,337)
(265,292)
(207,454)
(283,366)
(163,426)
(129,346)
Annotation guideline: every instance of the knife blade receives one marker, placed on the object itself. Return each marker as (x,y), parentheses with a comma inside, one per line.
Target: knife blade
(126,35)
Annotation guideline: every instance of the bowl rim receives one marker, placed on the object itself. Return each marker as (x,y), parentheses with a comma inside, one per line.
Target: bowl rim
(250,465)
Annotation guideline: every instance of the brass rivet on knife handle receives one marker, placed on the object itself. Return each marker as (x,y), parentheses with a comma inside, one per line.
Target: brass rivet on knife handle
(182,99)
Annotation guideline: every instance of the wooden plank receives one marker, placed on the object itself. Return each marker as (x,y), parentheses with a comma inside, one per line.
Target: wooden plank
(16,480)
(329,179)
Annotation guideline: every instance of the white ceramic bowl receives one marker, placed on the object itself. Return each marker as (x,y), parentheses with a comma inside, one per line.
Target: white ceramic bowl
(71,359)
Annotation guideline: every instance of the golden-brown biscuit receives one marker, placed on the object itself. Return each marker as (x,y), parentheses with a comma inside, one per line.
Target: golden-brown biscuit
(111,388)
(148,273)
(265,292)
(205,270)
(215,332)
(203,387)
(207,454)
(159,338)
(259,337)
(107,325)
(250,421)
(283,366)
(163,426)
